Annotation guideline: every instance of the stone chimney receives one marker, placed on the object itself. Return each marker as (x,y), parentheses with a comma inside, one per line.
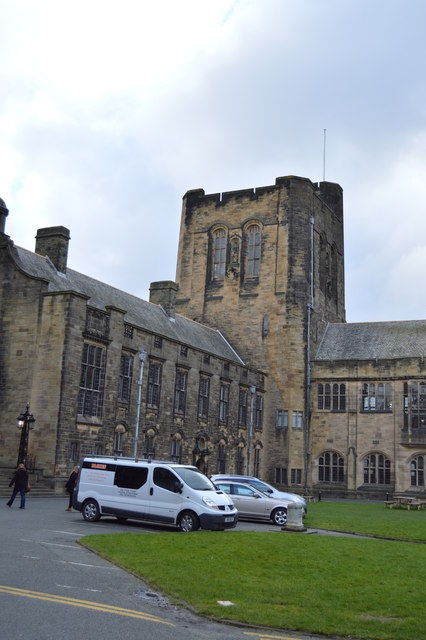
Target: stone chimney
(53,242)
(164,294)
(4,212)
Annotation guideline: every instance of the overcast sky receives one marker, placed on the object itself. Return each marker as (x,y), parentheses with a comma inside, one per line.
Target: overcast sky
(110,111)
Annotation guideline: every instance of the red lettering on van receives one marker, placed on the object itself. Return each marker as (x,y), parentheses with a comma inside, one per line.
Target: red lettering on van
(98,465)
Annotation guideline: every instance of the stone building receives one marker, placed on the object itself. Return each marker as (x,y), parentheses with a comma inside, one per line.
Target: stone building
(266,266)
(70,347)
(368,403)
(250,365)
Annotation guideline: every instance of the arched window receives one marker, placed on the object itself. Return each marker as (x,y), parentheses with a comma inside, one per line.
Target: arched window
(120,430)
(376,469)
(417,472)
(330,467)
(149,444)
(221,457)
(253,255)
(176,448)
(239,459)
(219,254)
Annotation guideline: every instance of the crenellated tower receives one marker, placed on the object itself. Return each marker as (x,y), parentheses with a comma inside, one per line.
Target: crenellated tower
(266,267)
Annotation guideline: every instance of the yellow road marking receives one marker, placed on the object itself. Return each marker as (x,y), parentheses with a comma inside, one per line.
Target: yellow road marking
(84,604)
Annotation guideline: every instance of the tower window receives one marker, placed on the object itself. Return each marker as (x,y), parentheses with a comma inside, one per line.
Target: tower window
(219,254)
(253,262)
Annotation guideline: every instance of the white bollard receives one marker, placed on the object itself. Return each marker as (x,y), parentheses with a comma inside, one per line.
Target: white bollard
(294,518)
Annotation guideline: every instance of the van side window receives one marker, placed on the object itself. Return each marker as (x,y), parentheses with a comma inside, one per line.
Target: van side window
(130,477)
(166,479)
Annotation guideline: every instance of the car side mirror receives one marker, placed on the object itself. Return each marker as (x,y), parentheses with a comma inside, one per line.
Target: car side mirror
(178,487)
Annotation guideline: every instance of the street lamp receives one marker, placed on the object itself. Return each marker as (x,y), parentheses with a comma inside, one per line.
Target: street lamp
(26,424)
(252,392)
(142,358)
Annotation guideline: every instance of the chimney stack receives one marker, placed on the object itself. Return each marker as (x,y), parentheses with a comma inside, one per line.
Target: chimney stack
(164,294)
(53,242)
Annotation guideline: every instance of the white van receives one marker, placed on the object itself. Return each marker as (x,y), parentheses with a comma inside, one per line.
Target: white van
(161,492)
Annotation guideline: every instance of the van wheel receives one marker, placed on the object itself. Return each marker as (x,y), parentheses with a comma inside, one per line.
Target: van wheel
(90,510)
(188,521)
(279,516)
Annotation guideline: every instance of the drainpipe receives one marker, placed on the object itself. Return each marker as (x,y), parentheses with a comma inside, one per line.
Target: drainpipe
(252,392)
(308,352)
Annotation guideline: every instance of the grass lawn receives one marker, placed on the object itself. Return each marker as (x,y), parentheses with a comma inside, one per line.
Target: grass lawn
(371,519)
(361,588)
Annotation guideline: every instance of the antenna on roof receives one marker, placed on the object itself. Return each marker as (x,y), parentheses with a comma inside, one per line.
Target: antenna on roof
(323,157)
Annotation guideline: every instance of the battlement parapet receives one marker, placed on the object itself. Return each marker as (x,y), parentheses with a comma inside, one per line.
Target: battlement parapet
(331,193)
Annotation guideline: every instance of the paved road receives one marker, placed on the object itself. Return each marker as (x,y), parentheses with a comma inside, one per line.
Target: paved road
(51,588)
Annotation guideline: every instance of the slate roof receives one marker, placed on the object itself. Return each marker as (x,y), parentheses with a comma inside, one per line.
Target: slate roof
(140,313)
(371,340)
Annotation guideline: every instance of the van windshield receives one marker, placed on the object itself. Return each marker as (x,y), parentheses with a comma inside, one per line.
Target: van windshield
(195,479)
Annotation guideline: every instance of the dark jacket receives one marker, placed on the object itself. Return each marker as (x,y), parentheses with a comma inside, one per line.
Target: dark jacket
(19,479)
(70,484)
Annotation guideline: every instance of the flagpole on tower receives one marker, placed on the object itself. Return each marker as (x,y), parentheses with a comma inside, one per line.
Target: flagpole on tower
(323,159)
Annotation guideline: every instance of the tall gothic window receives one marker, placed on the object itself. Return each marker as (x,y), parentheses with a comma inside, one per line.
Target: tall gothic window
(339,397)
(330,467)
(242,408)
(415,405)
(376,397)
(180,391)
(176,449)
(324,396)
(376,469)
(256,462)
(259,412)
(224,403)
(125,380)
(417,472)
(239,461)
(219,254)
(154,384)
(221,458)
(253,259)
(90,395)
(203,397)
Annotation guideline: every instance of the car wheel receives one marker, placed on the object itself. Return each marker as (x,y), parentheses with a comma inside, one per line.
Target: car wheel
(188,521)
(91,511)
(279,516)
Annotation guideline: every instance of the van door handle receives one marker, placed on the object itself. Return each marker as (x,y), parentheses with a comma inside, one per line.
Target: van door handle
(151,491)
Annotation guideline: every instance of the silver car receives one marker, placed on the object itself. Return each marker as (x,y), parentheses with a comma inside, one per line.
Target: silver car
(253,504)
(266,488)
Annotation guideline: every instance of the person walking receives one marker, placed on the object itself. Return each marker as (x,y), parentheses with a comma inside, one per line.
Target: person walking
(20,480)
(70,486)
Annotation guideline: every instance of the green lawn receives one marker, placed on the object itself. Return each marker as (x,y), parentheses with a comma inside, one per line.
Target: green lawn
(371,519)
(352,587)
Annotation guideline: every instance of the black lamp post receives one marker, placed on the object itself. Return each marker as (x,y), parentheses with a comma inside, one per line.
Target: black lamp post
(26,424)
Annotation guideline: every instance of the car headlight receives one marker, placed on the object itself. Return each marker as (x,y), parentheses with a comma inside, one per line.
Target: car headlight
(209,502)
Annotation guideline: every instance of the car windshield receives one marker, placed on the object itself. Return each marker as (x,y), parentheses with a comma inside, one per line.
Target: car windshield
(195,479)
(260,486)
